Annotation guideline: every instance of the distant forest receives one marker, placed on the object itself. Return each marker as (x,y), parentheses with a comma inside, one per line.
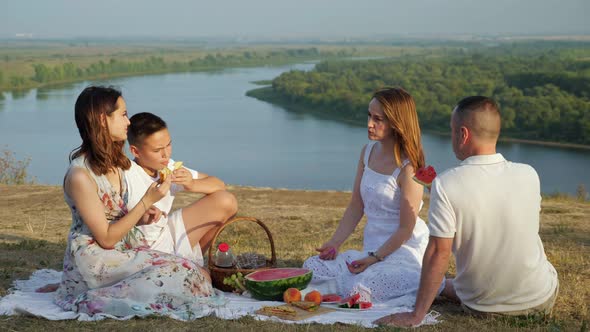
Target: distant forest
(544,93)
(69,71)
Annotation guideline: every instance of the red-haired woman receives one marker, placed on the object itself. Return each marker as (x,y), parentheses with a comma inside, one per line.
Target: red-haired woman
(395,238)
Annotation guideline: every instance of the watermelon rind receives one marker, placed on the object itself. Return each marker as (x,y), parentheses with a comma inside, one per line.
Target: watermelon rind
(422,182)
(274,289)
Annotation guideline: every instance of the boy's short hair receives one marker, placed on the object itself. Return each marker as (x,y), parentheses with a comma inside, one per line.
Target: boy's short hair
(143,125)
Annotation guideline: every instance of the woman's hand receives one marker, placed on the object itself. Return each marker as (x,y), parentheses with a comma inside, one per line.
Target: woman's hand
(360,265)
(328,251)
(155,193)
(152,215)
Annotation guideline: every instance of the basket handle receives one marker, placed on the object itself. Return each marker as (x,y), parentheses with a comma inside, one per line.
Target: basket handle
(273,259)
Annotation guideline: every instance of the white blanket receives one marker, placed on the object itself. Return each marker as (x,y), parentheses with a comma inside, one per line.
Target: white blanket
(24,300)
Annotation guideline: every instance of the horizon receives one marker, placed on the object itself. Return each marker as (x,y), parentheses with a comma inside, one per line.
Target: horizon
(306,19)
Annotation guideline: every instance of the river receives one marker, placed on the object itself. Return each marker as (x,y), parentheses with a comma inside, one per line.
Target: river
(216,129)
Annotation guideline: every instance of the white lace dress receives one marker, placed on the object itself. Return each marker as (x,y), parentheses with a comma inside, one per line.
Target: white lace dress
(399,273)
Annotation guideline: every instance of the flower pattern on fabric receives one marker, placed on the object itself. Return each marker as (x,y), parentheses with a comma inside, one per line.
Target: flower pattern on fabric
(129,279)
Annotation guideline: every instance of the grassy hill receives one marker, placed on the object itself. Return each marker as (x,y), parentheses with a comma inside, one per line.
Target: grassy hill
(35,221)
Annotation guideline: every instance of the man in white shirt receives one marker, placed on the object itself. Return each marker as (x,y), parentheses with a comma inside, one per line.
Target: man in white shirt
(186,232)
(486,211)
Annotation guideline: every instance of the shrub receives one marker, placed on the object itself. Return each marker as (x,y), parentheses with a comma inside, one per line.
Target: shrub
(13,171)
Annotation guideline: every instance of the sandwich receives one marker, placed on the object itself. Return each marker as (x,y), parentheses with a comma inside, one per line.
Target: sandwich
(282,310)
(164,172)
(306,305)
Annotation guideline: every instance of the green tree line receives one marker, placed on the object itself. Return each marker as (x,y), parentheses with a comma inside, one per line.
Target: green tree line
(542,97)
(69,71)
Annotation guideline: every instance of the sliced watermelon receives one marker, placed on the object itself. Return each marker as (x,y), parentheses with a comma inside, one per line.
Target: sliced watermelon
(270,284)
(425,176)
(346,303)
(331,298)
(365,305)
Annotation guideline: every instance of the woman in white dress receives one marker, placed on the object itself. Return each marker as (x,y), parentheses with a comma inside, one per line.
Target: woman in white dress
(395,238)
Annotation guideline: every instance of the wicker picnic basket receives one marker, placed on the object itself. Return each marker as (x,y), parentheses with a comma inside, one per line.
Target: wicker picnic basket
(219,273)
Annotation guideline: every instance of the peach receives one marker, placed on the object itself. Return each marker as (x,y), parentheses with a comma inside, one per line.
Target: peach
(292,295)
(313,296)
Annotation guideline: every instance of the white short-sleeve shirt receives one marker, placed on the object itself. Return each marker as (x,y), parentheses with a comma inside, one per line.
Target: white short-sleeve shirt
(138,181)
(491,207)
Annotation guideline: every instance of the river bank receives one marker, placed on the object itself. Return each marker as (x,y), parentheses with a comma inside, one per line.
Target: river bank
(35,222)
(268,95)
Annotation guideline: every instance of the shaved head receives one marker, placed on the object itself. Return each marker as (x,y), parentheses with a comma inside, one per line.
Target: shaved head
(481,116)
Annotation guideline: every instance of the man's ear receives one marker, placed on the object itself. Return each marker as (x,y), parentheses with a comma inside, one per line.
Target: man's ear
(465,135)
(134,150)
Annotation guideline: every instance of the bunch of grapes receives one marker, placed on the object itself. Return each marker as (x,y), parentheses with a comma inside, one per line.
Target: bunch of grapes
(236,281)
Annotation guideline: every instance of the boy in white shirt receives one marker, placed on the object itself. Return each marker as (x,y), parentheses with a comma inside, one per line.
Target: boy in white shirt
(186,232)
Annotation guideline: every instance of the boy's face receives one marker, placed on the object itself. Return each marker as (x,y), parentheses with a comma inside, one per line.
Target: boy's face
(153,153)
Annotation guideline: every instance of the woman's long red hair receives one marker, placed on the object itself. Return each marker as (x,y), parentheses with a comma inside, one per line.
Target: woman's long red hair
(400,109)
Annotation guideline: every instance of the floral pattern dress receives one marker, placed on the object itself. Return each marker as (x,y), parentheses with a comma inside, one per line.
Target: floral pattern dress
(130,279)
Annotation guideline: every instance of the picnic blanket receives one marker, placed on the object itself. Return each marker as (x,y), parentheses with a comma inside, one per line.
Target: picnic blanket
(23,300)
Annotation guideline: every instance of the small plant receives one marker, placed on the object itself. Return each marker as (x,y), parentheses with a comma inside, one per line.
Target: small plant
(13,171)
(581,192)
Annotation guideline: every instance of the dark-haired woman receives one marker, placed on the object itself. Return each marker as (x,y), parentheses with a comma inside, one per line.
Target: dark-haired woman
(108,267)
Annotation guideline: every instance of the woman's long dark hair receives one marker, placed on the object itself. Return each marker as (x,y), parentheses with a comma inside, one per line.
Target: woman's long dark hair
(101,152)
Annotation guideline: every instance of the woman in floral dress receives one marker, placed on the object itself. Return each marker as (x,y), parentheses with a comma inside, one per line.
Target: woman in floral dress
(108,267)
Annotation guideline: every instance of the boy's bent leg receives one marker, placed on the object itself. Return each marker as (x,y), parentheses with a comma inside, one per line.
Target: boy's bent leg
(204,217)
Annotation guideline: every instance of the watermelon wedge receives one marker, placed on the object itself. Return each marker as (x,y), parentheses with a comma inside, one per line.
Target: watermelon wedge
(331,298)
(354,302)
(270,284)
(350,301)
(425,176)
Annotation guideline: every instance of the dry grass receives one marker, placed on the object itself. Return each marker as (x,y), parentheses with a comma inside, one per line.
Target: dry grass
(35,221)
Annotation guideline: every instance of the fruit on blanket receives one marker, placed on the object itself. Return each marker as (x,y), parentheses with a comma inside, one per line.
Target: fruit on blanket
(236,281)
(353,302)
(313,296)
(331,298)
(270,284)
(425,176)
(365,305)
(292,295)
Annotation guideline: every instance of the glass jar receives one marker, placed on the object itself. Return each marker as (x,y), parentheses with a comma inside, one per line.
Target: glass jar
(224,256)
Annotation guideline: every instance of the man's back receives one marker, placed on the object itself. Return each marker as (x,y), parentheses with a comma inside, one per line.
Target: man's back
(491,208)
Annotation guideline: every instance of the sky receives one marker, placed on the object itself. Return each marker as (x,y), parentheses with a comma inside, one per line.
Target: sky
(291,19)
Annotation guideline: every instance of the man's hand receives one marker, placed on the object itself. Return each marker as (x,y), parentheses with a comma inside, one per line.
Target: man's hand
(403,319)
